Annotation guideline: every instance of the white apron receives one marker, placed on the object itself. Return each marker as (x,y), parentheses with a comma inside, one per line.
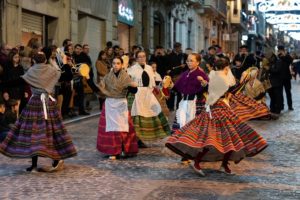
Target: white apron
(116,115)
(186,111)
(145,104)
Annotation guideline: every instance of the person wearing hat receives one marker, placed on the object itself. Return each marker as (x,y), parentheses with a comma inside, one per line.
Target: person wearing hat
(247,59)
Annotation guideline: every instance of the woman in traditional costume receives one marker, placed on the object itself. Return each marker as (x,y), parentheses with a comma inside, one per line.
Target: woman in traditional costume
(149,121)
(161,90)
(217,133)
(39,131)
(116,132)
(248,99)
(254,88)
(192,85)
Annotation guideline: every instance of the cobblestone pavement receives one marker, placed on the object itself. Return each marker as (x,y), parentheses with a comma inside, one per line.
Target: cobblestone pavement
(157,173)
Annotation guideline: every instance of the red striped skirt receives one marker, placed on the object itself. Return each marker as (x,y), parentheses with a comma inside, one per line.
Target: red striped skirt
(114,142)
(220,133)
(247,108)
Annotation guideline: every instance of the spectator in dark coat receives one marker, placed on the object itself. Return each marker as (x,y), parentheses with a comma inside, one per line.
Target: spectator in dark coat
(287,60)
(276,79)
(176,65)
(248,60)
(160,58)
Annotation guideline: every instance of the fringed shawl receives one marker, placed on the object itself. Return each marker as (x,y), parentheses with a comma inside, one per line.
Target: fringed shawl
(42,76)
(219,83)
(115,86)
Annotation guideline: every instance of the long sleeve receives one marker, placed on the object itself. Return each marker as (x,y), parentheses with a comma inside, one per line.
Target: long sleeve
(101,68)
(67,74)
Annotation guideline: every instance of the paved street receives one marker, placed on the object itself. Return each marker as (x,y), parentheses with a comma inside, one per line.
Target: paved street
(157,174)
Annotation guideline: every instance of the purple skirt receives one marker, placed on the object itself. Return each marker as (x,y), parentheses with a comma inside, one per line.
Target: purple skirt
(33,135)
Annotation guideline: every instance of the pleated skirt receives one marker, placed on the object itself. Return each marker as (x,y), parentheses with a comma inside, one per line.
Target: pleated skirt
(32,135)
(220,131)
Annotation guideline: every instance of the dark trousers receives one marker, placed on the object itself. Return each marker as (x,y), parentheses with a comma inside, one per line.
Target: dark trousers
(78,87)
(276,99)
(287,87)
(66,91)
(171,100)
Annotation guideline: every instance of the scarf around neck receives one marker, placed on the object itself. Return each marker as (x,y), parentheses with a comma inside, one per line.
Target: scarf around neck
(42,76)
(115,85)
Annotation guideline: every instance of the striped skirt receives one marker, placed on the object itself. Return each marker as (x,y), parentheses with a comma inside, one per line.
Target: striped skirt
(151,128)
(113,142)
(32,135)
(247,108)
(130,99)
(220,133)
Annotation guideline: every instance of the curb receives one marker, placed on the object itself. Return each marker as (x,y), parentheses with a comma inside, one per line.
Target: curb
(77,119)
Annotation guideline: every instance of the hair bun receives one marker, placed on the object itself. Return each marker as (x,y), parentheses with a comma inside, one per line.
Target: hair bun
(221,63)
(39,57)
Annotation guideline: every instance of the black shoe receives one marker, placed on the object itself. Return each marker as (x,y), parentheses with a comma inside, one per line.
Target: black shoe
(291,108)
(88,108)
(141,144)
(72,114)
(32,169)
(274,116)
(84,113)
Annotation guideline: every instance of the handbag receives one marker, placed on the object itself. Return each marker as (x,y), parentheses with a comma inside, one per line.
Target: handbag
(267,84)
(264,79)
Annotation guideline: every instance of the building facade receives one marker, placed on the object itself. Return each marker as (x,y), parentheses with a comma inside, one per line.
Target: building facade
(196,24)
(46,20)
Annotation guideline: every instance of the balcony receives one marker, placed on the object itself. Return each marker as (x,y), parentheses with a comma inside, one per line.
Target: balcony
(238,19)
(215,7)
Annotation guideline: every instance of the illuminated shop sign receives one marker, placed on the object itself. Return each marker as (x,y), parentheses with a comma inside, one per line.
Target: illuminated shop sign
(279,5)
(284,19)
(125,12)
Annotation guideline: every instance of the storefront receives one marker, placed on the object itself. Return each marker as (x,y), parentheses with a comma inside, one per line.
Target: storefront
(91,31)
(126,20)
(32,27)
(90,24)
